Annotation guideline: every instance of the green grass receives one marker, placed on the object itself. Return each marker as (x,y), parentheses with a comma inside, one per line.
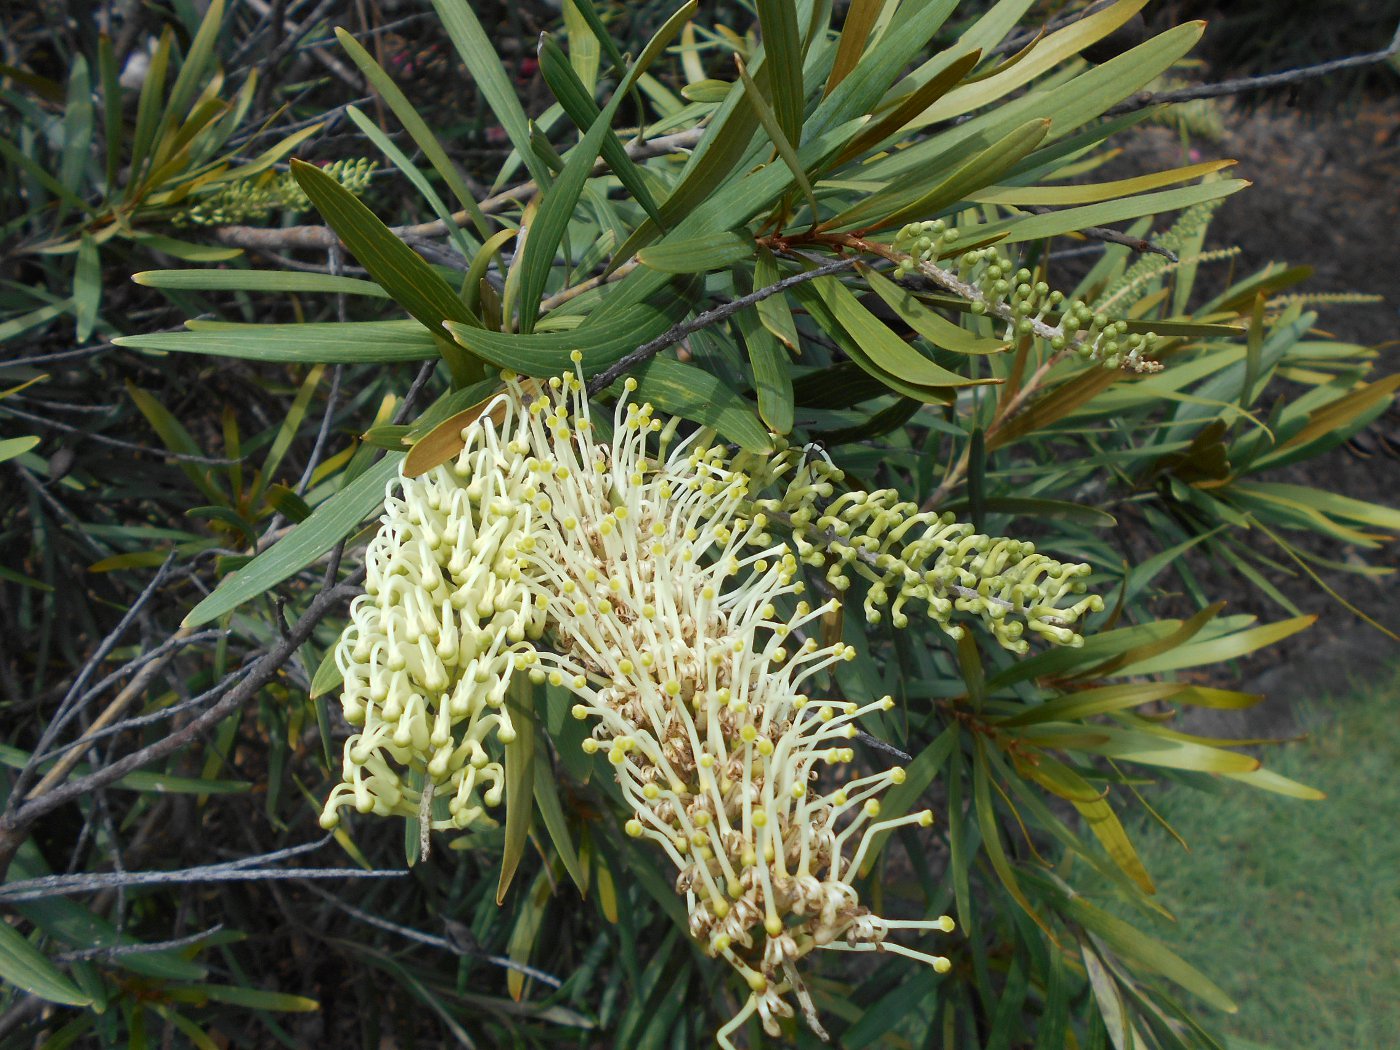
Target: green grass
(1294,907)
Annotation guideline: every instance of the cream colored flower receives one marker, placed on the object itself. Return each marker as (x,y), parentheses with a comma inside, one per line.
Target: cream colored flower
(638,571)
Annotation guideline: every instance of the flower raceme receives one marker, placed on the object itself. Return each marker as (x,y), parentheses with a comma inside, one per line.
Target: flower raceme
(639,572)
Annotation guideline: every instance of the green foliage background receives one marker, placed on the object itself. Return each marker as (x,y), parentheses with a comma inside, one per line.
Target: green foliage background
(204,448)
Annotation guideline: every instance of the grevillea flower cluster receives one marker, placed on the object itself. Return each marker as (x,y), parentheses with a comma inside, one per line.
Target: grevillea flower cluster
(255,198)
(639,572)
(995,286)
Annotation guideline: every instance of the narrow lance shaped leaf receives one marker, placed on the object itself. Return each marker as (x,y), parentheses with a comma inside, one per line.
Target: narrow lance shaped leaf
(24,966)
(400,270)
(555,211)
(855,30)
(329,523)
(583,111)
(771,373)
(782,48)
(520,780)
(417,128)
(474,47)
(781,142)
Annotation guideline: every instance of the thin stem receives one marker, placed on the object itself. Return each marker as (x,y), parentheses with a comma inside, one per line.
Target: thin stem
(677,332)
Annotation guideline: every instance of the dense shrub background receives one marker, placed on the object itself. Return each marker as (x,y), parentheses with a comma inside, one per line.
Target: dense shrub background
(135,479)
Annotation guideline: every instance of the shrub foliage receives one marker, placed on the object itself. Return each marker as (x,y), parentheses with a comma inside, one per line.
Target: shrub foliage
(915,449)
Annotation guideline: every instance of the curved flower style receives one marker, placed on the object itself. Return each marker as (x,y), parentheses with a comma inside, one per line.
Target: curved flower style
(660,600)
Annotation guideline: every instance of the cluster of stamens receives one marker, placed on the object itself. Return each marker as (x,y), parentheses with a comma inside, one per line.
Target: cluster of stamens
(635,569)
(994,286)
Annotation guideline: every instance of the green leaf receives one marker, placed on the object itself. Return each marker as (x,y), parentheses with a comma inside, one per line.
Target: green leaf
(855,30)
(1059,196)
(192,70)
(329,342)
(692,393)
(1334,504)
(781,142)
(1041,57)
(400,270)
(1134,745)
(328,675)
(889,355)
(77,127)
(771,373)
(601,340)
(290,426)
(148,107)
(1135,946)
(474,46)
(520,781)
(187,250)
(547,801)
(1267,780)
(1085,703)
(912,27)
(991,834)
(333,520)
(1093,806)
(252,998)
(578,103)
(910,105)
(775,312)
(536,259)
(1069,104)
(24,966)
(256,281)
(782,48)
(894,208)
(1052,224)
(1110,1003)
(176,438)
(416,127)
(710,251)
(12,447)
(1217,650)
(460,239)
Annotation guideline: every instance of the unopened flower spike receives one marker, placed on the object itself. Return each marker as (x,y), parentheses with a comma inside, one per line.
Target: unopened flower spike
(256,198)
(652,576)
(995,286)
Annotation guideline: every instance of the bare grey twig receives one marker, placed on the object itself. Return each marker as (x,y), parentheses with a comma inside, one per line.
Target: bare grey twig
(130,446)
(114,951)
(1102,233)
(64,885)
(72,701)
(454,945)
(138,721)
(14,826)
(1238,86)
(677,332)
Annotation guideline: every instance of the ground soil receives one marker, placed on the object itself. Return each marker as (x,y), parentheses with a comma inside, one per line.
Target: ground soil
(1327,193)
